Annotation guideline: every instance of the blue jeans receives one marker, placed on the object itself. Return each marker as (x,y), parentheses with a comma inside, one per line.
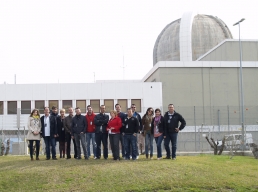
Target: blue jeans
(91,136)
(148,141)
(50,141)
(173,138)
(130,140)
(102,137)
(158,142)
(80,138)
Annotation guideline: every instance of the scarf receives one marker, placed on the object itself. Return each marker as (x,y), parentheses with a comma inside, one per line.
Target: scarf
(35,117)
(157,120)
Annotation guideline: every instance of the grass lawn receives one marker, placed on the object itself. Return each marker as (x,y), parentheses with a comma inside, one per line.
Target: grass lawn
(187,173)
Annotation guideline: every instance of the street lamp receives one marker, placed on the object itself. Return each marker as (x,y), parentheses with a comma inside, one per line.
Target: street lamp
(241,88)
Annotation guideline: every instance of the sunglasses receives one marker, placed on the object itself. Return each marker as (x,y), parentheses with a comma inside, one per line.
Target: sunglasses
(133,107)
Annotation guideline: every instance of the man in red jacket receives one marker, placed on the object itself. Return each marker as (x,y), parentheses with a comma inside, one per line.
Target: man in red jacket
(90,132)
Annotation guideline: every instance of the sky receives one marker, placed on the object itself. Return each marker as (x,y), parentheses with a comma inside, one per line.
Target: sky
(82,41)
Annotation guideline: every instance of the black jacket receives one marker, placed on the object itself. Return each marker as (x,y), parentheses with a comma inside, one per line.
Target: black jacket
(131,125)
(138,116)
(60,129)
(171,124)
(101,120)
(79,124)
(53,125)
(161,125)
(122,116)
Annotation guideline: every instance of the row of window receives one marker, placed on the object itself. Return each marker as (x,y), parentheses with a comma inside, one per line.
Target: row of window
(26,105)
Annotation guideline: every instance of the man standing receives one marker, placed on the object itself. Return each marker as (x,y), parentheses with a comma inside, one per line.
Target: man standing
(122,116)
(139,138)
(68,136)
(79,127)
(130,133)
(172,119)
(101,134)
(90,132)
(49,132)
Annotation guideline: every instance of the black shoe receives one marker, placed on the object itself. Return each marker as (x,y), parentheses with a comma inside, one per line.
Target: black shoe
(54,158)
(86,158)
(68,158)
(167,158)
(78,158)
(47,158)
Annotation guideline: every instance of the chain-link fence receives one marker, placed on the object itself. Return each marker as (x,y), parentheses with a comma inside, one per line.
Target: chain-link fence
(201,122)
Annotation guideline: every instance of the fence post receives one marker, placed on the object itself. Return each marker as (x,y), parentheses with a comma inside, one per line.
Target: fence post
(219,120)
(228,121)
(195,130)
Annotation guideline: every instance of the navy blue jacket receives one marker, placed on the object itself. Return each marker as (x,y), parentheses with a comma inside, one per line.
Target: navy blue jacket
(138,117)
(172,124)
(101,120)
(122,116)
(79,124)
(53,125)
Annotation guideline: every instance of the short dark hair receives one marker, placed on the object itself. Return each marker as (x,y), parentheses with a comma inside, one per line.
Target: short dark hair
(129,108)
(102,106)
(54,107)
(88,106)
(117,104)
(170,104)
(157,110)
(46,107)
(133,105)
(77,108)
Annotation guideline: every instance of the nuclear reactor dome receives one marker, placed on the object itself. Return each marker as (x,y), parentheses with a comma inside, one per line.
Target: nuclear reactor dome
(190,37)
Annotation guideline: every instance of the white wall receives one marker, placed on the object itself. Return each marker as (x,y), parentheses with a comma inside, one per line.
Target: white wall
(150,94)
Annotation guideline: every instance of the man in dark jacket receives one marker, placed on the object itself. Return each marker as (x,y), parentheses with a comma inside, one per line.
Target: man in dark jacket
(122,116)
(101,134)
(130,131)
(49,132)
(68,136)
(139,138)
(79,126)
(172,119)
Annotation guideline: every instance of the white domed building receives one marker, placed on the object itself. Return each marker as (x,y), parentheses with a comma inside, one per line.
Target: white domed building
(197,61)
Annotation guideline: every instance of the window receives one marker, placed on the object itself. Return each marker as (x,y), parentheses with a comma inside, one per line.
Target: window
(1,107)
(52,103)
(137,102)
(67,104)
(109,104)
(12,107)
(123,104)
(95,104)
(25,107)
(40,106)
(82,105)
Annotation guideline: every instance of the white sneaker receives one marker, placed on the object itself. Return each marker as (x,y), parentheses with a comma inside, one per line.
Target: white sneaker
(95,157)
(137,157)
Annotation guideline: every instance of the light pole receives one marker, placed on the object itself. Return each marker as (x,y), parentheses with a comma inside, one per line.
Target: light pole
(241,88)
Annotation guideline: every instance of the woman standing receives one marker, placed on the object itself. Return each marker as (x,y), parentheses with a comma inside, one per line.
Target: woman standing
(113,128)
(158,129)
(61,132)
(34,127)
(146,122)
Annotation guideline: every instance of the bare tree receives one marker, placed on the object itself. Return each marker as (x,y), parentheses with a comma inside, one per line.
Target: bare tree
(215,147)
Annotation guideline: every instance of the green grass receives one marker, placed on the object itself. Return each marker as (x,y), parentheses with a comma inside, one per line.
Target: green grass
(187,173)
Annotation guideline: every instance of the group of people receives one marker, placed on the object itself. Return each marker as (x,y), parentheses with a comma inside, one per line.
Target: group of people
(128,130)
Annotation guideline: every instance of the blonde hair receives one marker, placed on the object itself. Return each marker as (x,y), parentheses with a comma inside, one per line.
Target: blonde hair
(62,110)
(113,111)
